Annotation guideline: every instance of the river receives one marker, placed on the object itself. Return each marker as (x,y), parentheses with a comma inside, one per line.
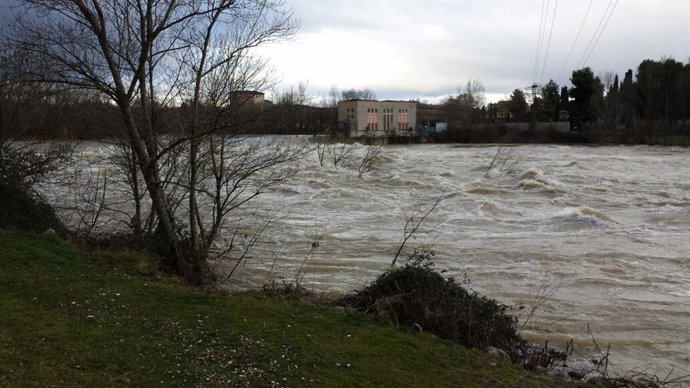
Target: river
(605,228)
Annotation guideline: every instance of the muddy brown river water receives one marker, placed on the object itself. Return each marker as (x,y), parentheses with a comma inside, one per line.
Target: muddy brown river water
(612,224)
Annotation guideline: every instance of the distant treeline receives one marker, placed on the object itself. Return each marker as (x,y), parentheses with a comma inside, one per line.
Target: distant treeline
(650,105)
(65,115)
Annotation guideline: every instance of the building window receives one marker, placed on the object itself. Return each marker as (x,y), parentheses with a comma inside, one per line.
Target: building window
(373,120)
(403,123)
(387,119)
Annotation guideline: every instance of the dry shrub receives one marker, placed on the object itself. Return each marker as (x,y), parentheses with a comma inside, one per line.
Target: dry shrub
(22,168)
(419,297)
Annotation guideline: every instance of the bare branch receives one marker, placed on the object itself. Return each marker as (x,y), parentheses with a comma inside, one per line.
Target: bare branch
(414,222)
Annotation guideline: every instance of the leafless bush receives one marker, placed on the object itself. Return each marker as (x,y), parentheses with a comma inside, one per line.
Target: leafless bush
(601,374)
(370,161)
(241,243)
(321,151)
(90,202)
(301,271)
(413,222)
(536,356)
(139,217)
(340,154)
(503,163)
(24,165)
(23,169)
(543,294)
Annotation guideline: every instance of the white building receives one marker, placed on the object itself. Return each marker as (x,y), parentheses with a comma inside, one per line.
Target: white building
(384,119)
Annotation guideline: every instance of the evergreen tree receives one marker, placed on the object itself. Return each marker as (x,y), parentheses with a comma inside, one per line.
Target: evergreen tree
(649,94)
(550,97)
(586,87)
(671,86)
(627,100)
(564,102)
(518,106)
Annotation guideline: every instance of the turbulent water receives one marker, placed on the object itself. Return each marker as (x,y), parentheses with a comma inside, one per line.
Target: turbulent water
(605,228)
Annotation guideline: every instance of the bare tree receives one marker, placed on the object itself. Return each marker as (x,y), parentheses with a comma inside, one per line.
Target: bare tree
(233,172)
(503,163)
(293,96)
(18,98)
(463,109)
(340,153)
(333,98)
(146,55)
(321,150)
(90,202)
(23,164)
(371,160)
(139,218)
(413,222)
(331,104)
(290,112)
(358,94)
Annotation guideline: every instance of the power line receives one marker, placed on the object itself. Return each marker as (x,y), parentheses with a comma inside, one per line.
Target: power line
(546,56)
(601,32)
(540,39)
(579,32)
(594,36)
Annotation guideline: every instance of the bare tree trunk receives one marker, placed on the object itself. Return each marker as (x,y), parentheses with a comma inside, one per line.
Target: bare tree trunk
(142,52)
(149,169)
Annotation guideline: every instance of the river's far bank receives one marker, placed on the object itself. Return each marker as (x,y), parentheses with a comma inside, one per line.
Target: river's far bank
(67,320)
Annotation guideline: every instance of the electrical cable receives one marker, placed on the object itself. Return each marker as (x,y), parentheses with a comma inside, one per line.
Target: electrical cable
(546,56)
(594,36)
(579,32)
(540,39)
(601,32)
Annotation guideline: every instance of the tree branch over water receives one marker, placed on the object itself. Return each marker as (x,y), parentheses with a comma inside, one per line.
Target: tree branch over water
(413,223)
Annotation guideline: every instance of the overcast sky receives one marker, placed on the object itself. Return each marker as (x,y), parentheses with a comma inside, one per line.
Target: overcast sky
(425,49)
(409,49)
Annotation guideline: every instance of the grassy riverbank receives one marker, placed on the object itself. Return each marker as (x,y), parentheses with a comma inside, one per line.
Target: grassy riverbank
(67,320)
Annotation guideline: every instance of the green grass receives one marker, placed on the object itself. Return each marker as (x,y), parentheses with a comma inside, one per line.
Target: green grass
(69,320)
